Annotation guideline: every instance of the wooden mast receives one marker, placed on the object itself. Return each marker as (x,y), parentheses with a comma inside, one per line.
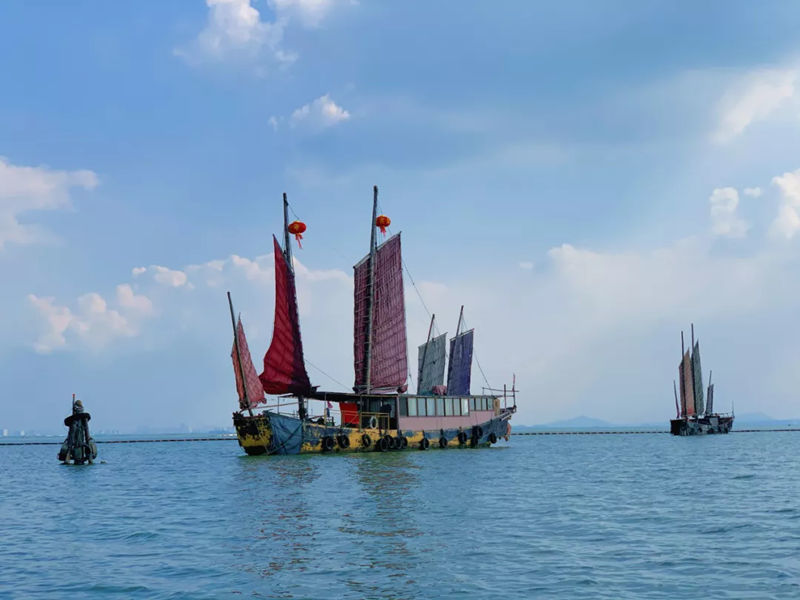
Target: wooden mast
(460,318)
(287,255)
(424,355)
(239,356)
(371,290)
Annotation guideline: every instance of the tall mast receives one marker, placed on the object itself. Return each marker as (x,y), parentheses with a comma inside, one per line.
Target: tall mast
(371,288)
(425,353)
(287,247)
(239,356)
(287,255)
(460,318)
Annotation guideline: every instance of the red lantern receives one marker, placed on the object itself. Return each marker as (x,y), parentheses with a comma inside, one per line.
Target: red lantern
(383,222)
(297,228)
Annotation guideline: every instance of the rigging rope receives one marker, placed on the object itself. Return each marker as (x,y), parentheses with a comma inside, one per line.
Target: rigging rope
(336,381)
(475,354)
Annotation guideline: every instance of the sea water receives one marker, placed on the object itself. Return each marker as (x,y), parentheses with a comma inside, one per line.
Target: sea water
(568,516)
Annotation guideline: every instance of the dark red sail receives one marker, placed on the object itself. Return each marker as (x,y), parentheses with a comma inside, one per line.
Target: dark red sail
(249,388)
(687,385)
(389,361)
(284,367)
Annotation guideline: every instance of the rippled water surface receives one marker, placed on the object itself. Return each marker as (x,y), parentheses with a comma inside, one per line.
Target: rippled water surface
(617,516)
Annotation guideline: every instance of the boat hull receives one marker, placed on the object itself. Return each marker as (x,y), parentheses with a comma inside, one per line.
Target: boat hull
(710,424)
(273,433)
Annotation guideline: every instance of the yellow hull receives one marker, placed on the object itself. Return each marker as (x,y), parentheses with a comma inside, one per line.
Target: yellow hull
(266,434)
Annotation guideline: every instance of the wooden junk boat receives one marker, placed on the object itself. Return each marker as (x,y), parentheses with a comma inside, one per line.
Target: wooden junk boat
(379,415)
(696,416)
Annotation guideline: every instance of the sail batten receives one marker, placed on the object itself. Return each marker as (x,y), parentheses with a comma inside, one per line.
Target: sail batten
(284,366)
(388,360)
(248,384)
(431,364)
(460,368)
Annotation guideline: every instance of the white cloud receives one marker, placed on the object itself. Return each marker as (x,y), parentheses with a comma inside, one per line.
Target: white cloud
(24,189)
(93,323)
(273,122)
(164,275)
(309,12)
(235,32)
(753,192)
(126,298)
(319,114)
(787,223)
(752,99)
(724,218)
(526,264)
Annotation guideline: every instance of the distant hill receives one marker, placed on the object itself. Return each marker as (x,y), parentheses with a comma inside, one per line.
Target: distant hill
(759,419)
(581,422)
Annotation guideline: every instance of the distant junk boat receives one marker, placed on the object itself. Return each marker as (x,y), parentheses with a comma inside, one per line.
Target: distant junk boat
(694,415)
(378,414)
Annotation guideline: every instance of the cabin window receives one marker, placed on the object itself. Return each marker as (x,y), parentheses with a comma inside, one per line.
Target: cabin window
(403,407)
(430,406)
(472,404)
(440,406)
(412,407)
(464,406)
(448,407)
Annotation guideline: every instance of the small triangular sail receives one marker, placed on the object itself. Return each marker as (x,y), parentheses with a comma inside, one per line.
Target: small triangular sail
(697,379)
(249,388)
(460,368)
(284,366)
(431,364)
(687,385)
(389,353)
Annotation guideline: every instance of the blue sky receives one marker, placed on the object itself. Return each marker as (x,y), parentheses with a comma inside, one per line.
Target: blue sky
(587,178)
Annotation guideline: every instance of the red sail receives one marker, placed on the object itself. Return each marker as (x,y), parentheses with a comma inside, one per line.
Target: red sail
(687,385)
(284,367)
(251,393)
(389,365)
